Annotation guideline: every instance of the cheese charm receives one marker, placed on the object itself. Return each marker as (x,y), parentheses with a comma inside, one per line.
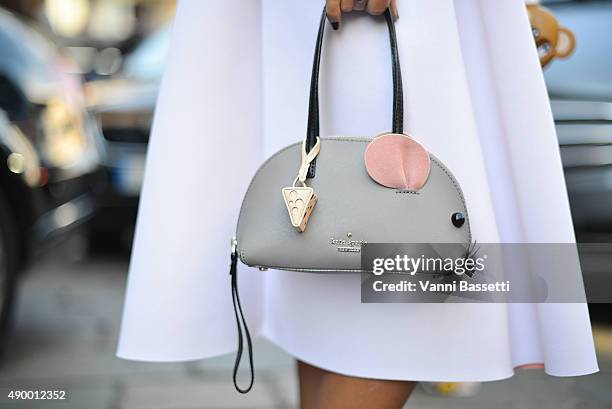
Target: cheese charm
(301,200)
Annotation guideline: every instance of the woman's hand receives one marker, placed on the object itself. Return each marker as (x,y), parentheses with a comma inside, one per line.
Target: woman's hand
(335,8)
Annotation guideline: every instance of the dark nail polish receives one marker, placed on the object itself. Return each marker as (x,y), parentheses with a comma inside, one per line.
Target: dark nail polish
(335,25)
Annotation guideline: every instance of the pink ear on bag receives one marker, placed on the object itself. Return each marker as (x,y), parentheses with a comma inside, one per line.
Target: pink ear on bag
(397,161)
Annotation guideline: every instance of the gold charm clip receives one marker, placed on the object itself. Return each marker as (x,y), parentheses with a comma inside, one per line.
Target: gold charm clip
(301,200)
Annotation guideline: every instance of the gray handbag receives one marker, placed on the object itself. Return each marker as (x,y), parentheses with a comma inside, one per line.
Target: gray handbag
(351,208)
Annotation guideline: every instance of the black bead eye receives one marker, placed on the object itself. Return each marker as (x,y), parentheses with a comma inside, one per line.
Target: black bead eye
(458,219)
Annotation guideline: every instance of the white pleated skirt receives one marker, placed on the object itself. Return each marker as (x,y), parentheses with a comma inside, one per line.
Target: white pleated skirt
(235,91)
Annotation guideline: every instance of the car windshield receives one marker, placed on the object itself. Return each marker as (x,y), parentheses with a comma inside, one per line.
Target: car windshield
(24,48)
(147,61)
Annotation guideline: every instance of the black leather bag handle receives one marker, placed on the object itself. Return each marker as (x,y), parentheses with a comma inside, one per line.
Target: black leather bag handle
(397,125)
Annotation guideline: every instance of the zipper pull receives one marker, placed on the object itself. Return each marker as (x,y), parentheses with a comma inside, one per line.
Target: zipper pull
(234,244)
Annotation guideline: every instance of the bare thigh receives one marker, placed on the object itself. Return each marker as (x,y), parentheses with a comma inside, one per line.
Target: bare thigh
(321,389)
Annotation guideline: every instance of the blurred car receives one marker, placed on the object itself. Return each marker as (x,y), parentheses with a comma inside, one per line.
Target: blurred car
(584,129)
(581,92)
(123,106)
(47,150)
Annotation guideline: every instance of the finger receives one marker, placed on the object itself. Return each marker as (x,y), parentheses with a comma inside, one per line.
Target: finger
(377,7)
(359,5)
(347,5)
(334,14)
(394,11)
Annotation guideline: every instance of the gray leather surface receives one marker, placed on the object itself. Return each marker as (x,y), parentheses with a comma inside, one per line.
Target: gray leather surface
(349,202)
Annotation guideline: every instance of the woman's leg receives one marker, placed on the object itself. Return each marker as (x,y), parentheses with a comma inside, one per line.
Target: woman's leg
(320,389)
(310,380)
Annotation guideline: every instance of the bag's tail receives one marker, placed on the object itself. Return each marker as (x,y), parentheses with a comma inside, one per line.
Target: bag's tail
(240,323)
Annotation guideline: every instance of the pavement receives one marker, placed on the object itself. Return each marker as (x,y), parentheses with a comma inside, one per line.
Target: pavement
(65,333)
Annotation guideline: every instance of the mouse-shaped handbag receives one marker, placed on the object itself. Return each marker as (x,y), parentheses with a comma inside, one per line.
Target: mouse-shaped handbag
(312,205)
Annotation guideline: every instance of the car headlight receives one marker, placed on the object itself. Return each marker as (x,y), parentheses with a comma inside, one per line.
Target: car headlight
(22,158)
(64,141)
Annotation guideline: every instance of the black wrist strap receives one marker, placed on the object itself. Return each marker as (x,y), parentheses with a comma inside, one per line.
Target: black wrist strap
(240,323)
